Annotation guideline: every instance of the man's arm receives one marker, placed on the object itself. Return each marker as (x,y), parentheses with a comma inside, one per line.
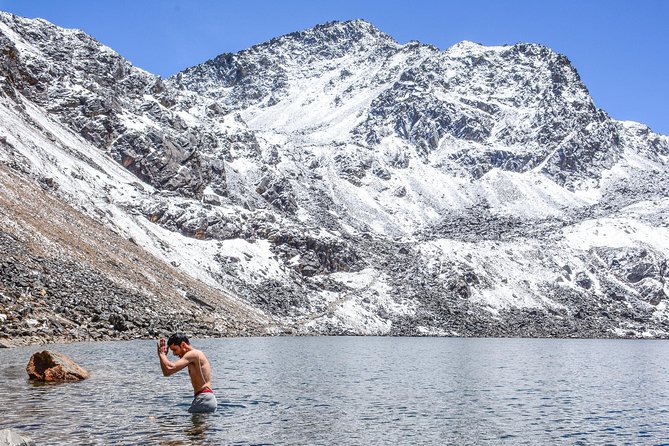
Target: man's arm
(168,367)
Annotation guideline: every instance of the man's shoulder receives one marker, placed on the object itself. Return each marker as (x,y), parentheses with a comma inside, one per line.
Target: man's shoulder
(192,354)
(199,353)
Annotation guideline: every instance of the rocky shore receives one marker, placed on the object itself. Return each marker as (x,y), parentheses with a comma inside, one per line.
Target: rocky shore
(88,284)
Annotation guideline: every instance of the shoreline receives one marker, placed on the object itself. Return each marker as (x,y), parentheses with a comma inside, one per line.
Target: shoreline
(9,343)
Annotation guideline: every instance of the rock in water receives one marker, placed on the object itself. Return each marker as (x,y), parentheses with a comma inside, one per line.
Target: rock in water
(54,366)
(9,437)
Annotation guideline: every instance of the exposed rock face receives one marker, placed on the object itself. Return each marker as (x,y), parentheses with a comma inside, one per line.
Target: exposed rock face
(125,111)
(328,181)
(52,366)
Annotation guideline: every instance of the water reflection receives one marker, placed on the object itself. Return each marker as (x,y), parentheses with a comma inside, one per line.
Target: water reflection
(200,424)
(354,391)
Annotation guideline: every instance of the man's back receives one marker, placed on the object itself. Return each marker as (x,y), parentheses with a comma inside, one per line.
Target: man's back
(199,370)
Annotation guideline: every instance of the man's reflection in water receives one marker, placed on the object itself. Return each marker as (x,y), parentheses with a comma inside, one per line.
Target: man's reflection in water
(201,423)
(197,432)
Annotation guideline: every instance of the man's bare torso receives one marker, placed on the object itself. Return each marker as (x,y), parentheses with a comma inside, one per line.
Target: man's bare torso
(199,370)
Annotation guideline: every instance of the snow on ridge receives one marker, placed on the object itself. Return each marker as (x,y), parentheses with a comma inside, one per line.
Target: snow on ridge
(617,232)
(511,271)
(74,36)
(467,48)
(105,190)
(383,145)
(323,105)
(511,193)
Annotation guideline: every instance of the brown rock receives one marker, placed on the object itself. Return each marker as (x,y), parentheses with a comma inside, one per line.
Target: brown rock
(54,366)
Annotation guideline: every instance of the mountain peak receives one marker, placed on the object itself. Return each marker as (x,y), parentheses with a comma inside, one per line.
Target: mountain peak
(342,30)
(352,28)
(337,35)
(270,62)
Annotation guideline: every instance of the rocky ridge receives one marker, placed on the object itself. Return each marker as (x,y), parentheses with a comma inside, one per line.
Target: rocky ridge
(333,181)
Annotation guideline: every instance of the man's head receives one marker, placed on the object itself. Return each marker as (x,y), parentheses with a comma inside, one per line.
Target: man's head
(178,343)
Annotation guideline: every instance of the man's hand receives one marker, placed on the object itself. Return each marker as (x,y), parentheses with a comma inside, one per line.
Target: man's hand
(162,346)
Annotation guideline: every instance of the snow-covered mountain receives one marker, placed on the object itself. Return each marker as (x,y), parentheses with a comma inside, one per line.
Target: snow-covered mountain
(335,181)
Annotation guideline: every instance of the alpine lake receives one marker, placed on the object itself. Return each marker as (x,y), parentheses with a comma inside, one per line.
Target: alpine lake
(352,391)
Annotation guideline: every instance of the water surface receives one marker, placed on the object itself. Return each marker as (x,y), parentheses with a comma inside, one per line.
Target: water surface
(353,390)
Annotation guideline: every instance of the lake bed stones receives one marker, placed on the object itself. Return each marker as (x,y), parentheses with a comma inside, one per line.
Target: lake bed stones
(10,437)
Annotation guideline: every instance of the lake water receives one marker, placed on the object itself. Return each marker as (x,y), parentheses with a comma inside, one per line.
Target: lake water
(349,390)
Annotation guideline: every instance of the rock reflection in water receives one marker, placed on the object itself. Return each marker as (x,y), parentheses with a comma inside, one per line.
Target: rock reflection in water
(354,391)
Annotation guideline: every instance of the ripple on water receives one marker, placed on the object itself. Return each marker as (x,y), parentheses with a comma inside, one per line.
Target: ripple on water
(353,391)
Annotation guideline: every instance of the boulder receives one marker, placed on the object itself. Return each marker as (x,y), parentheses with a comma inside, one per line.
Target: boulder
(53,366)
(9,437)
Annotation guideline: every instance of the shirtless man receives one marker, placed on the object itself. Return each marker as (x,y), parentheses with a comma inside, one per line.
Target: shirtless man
(199,370)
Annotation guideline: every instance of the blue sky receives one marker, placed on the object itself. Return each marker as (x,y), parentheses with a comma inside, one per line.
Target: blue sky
(620,48)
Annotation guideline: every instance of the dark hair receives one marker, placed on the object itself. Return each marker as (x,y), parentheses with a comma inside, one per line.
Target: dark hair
(177,339)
